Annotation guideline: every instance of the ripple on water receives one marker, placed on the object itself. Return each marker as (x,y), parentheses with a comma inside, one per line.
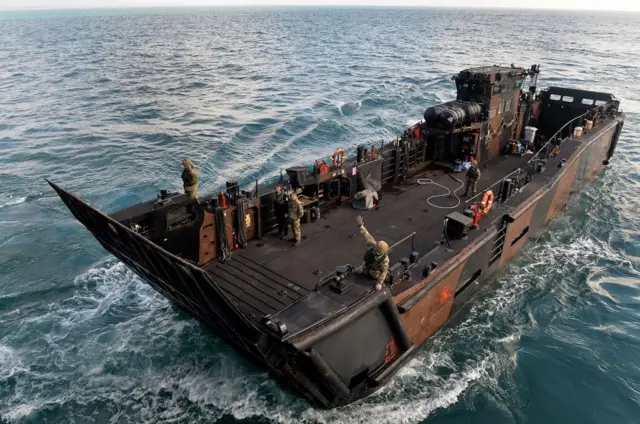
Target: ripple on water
(108,105)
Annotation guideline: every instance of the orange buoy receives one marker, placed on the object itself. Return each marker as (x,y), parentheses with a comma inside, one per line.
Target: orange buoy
(487,201)
(338,158)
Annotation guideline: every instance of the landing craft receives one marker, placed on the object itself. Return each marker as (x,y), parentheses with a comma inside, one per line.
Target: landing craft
(307,313)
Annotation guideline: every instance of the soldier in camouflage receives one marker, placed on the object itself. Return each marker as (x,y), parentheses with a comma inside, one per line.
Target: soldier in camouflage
(281,207)
(189,179)
(376,258)
(472,177)
(297,211)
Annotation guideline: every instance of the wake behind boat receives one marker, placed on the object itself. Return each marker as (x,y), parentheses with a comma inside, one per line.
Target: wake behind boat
(382,258)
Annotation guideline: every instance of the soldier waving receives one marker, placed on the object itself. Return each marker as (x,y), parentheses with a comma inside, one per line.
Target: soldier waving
(376,258)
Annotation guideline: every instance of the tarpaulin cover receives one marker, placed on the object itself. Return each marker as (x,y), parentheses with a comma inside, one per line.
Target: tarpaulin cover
(370,175)
(365,200)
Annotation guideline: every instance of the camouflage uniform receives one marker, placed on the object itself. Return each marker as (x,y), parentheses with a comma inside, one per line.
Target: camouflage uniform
(376,264)
(472,176)
(190,179)
(297,211)
(281,207)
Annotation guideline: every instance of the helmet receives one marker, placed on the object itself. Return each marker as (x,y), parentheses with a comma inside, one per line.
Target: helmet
(381,248)
(186,162)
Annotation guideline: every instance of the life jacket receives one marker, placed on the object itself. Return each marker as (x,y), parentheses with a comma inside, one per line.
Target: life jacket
(373,262)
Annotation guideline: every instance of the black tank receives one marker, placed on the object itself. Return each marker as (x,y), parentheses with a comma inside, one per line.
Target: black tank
(452,114)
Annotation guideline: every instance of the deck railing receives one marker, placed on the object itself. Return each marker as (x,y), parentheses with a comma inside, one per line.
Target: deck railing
(517,173)
(600,109)
(531,162)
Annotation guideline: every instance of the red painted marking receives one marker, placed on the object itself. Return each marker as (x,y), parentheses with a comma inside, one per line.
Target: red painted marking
(390,351)
(445,295)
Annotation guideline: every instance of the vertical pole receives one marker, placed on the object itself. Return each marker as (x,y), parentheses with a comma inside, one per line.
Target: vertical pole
(396,165)
(258,212)
(424,147)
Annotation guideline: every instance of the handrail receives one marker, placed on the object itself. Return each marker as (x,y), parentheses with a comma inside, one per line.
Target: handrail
(602,108)
(494,184)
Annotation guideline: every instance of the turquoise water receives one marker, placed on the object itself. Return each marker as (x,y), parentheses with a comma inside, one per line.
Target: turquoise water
(107,104)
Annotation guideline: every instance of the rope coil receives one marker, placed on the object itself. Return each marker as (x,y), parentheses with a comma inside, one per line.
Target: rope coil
(425,181)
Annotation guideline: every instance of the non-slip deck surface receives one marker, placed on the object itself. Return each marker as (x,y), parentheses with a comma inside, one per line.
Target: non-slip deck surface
(269,274)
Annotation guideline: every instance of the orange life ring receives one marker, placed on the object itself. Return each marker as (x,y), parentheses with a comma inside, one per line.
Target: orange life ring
(487,201)
(338,158)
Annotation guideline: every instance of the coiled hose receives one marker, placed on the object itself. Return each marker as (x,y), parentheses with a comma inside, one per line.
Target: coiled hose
(425,181)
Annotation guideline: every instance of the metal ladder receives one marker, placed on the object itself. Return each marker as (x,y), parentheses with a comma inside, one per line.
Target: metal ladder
(498,243)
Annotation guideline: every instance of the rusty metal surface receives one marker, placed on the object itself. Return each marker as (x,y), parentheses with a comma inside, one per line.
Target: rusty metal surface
(428,314)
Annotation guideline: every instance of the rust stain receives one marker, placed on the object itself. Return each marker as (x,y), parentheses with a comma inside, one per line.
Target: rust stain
(562,192)
(207,248)
(426,316)
(515,230)
(597,154)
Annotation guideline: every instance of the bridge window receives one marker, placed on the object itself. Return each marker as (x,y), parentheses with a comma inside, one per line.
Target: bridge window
(518,84)
(497,89)
(587,102)
(555,97)
(567,99)
(471,89)
(601,102)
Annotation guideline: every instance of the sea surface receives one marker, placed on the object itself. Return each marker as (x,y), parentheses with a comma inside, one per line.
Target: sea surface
(107,103)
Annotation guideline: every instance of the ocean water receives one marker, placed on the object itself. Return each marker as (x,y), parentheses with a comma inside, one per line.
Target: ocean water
(106,103)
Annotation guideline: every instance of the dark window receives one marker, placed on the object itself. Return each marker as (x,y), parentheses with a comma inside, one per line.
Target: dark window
(507,106)
(497,89)
(522,234)
(518,84)
(467,283)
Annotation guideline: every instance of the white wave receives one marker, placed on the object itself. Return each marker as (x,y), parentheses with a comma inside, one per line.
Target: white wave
(345,108)
(11,201)
(611,328)
(224,384)
(256,395)
(410,122)
(18,412)
(512,338)
(10,362)
(598,283)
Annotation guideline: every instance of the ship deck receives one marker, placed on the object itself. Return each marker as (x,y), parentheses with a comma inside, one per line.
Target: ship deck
(270,274)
